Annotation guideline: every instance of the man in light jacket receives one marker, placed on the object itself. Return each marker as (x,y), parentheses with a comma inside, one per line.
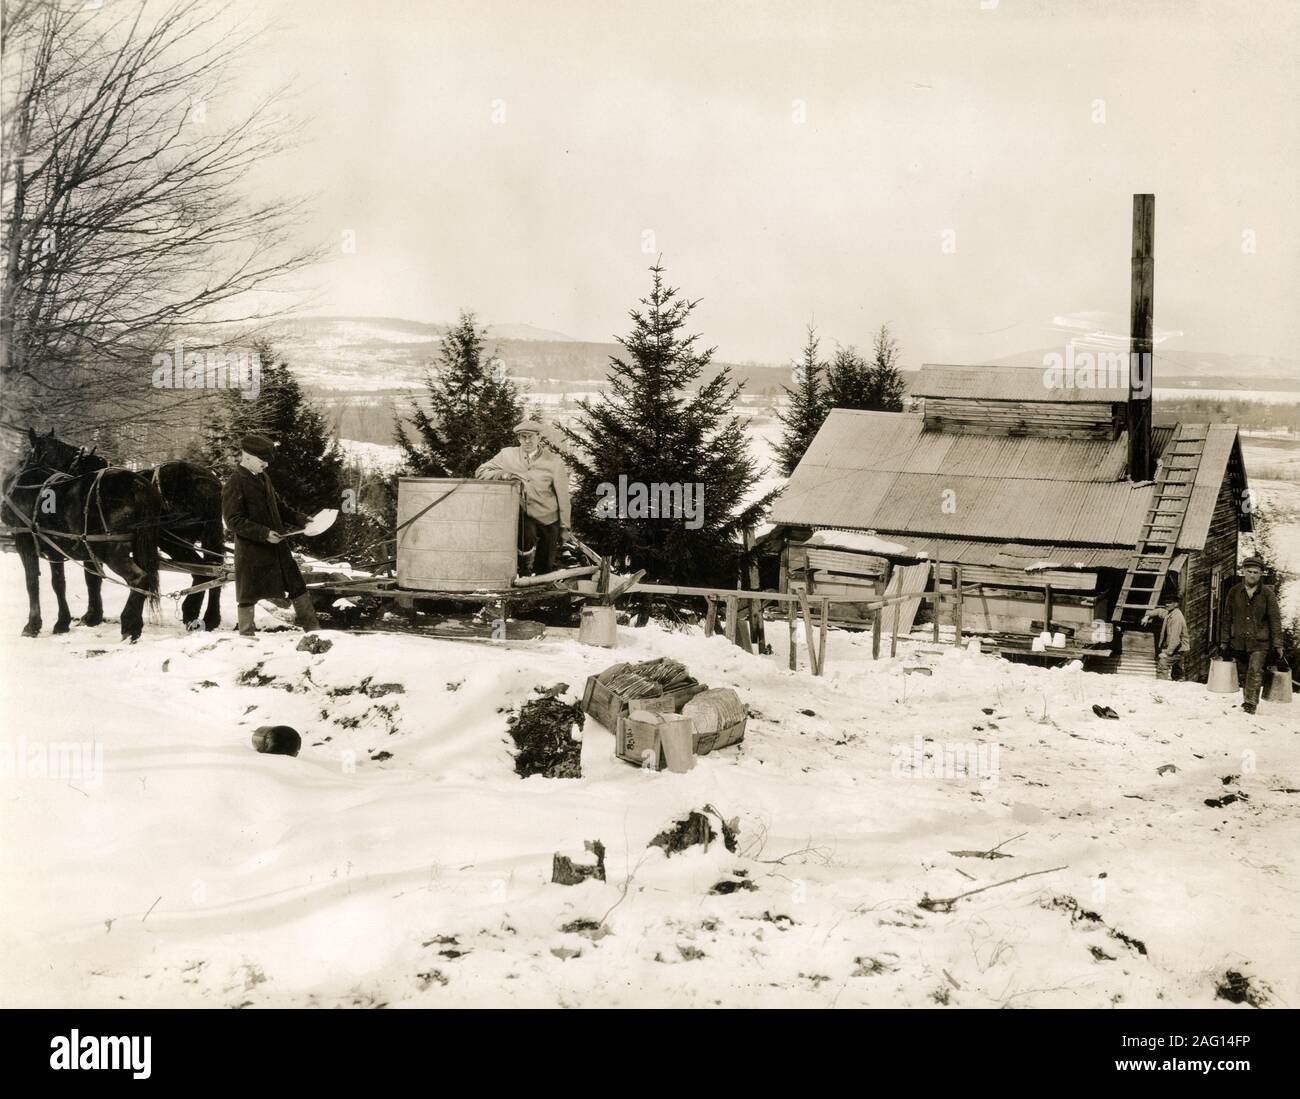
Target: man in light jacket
(1174,645)
(544,477)
(1250,626)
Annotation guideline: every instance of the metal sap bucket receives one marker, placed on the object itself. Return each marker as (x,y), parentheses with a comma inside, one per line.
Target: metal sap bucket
(1223,677)
(598,626)
(1278,688)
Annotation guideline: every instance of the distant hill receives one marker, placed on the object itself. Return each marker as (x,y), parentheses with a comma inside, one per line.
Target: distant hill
(1179,368)
(387,354)
(360,355)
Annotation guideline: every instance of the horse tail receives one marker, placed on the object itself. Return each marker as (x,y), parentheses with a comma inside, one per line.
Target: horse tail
(144,551)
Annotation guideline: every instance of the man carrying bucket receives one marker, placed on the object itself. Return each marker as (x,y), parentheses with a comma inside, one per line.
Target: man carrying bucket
(544,478)
(1173,646)
(1250,626)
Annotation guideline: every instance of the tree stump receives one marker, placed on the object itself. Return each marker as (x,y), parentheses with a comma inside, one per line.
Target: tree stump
(567,871)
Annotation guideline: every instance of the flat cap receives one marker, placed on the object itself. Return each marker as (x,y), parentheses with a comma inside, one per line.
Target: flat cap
(528,425)
(1252,561)
(259,446)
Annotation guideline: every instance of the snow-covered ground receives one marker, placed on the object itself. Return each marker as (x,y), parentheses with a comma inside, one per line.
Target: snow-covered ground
(374,457)
(186,869)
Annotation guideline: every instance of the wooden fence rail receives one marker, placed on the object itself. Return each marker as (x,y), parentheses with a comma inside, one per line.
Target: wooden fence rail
(805,605)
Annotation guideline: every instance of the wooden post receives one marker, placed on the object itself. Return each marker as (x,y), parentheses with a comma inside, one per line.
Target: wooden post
(821,648)
(794,656)
(742,634)
(956,614)
(1141,330)
(732,616)
(876,617)
(808,633)
(711,618)
(938,598)
(755,606)
(893,636)
(1047,607)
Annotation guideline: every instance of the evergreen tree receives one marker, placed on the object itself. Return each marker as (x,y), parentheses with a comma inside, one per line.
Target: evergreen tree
(806,409)
(887,387)
(661,426)
(308,468)
(472,409)
(848,380)
(877,386)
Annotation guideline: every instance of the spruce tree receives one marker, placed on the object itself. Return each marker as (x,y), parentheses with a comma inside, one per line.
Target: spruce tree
(471,412)
(806,409)
(886,388)
(659,427)
(848,381)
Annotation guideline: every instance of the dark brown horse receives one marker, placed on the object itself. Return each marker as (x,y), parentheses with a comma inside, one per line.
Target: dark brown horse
(106,519)
(190,527)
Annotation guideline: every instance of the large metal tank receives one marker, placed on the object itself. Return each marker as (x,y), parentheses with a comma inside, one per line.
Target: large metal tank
(466,542)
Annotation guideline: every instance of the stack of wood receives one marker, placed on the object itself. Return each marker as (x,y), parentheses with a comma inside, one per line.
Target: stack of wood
(826,571)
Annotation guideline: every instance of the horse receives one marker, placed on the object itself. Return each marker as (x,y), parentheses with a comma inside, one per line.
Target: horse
(107,518)
(190,527)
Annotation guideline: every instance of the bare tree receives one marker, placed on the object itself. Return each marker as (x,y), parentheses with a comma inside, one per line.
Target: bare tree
(127,214)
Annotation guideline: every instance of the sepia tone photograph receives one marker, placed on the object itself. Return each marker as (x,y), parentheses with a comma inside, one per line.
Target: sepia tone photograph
(651,505)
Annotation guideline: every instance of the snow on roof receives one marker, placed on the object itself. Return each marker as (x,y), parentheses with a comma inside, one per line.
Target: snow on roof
(856,541)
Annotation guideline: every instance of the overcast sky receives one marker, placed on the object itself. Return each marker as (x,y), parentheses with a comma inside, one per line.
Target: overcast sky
(963,174)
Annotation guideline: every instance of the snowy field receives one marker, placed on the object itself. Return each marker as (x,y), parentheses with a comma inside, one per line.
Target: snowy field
(398,861)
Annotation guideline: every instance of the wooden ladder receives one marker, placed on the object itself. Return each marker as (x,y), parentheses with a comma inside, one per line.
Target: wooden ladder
(1158,538)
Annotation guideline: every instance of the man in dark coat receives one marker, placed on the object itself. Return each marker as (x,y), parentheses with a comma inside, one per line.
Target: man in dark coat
(1250,627)
(264,567)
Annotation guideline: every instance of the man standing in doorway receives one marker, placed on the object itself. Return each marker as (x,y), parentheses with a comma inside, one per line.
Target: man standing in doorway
(254,513)
(545,522)
(1250,628)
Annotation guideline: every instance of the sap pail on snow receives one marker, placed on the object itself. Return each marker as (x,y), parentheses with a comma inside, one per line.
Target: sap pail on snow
(598,626)
(278,740)
(1277,687)
(1223,677)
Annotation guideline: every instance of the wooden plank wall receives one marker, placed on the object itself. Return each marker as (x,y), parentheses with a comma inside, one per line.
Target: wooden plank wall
(998,577)
(1221,550)
(1007,610)
(1047,419)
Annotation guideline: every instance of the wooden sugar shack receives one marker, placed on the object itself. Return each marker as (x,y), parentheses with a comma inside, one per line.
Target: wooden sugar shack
(1056,509)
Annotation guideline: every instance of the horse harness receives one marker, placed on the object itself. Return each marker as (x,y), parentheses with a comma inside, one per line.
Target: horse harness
(32,527)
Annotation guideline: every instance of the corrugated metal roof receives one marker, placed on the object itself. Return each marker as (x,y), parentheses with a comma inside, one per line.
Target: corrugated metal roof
(1019,555)
(1015,555)
(899,443)
(1015,383)
(881,471)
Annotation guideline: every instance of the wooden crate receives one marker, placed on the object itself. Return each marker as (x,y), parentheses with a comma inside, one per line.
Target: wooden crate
(704,743)
(608,707)
(632,741)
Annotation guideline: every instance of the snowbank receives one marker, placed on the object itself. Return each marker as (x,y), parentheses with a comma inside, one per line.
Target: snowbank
(399,860)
